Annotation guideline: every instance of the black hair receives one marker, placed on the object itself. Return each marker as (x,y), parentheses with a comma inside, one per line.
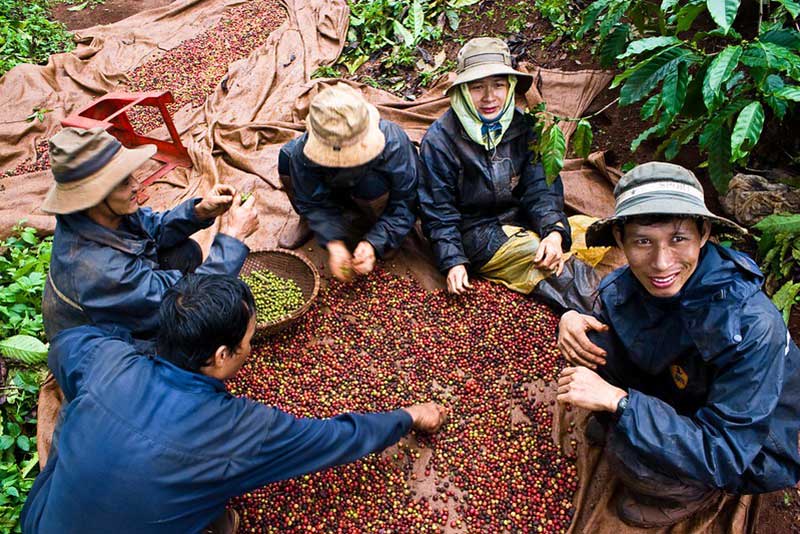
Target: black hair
(650,219)
(201,313)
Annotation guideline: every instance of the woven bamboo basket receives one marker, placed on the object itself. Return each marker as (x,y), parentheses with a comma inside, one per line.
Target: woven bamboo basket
(286,264)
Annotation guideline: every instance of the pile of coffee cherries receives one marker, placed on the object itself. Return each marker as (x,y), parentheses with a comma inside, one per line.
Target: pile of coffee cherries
(383,342)
(275,296)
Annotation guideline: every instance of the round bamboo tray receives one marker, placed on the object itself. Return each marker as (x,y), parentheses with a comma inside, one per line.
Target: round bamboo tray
(286,264)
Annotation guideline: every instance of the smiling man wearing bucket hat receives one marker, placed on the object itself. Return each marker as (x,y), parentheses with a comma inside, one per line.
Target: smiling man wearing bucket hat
(112,261)
(690,367)
(486,206)
(353,177)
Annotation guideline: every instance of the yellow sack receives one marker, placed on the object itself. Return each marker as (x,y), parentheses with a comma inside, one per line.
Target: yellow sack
(512,264)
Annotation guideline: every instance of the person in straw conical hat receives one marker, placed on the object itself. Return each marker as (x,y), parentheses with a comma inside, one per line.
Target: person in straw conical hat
(352,177)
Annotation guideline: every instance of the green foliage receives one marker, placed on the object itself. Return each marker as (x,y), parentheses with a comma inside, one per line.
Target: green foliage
(550,146)
(713,87)
(779,250)
(19,461)
(23,272)
(27,35)
(325,71)
(24,261)
(393,29)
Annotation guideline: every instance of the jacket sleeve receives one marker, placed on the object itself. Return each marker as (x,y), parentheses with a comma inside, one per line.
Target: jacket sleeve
(718,442)
(398,218)
(289,446)
(312,200)
(125,291)
(544,204)
(441,218)
(172,227)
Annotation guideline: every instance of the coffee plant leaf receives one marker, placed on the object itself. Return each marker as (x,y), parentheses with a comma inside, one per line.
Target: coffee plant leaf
(719,71)
(668,5)
(779,223)
(582,139)
(650,107)
(590,16)
(406,38)
(791,6)
(747,130)
(553,147)
(716,140)
(612,18)
(789,92)
(723,12)
(418,19)
(786,37)
(686,16)
(649,43)
(613,45)
(26,349)
(650,73)
(785,298)
(673,92)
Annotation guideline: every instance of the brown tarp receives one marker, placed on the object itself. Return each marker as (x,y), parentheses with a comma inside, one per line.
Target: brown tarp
(235,138)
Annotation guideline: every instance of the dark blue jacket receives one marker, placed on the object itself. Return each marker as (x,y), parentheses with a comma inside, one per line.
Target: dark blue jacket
(713,376)
(112,277)
(147,447)
(321,193)
(467,193)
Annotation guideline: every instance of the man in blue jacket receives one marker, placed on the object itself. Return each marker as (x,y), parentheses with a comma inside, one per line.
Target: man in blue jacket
(157,445)
(353,178)
(111,260)
(697,379)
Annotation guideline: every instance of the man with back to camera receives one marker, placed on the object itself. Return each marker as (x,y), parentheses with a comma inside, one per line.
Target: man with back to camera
(156,444)
(690,367)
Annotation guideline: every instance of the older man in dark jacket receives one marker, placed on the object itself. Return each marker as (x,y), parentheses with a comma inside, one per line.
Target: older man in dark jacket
(112,261)
(692,358)
(353,177)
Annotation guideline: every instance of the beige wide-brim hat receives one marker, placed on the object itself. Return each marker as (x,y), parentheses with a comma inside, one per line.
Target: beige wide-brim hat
(657,188)
(87,165)
(487,56)
(343,129)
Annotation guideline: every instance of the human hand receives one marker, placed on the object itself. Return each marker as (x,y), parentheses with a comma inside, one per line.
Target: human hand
(364,258)
(340,261)
(573,342)
(584,388)
(427,417)
(242,220)
(216,202)
(458,280)
(548,256)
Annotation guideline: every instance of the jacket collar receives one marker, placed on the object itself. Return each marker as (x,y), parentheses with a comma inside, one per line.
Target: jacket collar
(187,380)
(704,314)
(81,225)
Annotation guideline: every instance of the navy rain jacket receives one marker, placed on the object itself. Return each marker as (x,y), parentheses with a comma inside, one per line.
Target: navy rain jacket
(321,193)
(712,374)
(467,193)
(112,277)
(147,447)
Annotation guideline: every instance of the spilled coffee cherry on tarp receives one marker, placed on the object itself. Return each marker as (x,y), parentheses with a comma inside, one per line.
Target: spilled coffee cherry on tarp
(383,342)
(275,296)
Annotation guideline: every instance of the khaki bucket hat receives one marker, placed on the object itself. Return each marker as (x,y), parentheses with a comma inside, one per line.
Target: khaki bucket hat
(87,165)
(487,56)
(342,129)
(657,188)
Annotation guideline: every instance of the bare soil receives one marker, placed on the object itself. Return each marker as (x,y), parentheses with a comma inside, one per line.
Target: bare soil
(615,127)
(106,13)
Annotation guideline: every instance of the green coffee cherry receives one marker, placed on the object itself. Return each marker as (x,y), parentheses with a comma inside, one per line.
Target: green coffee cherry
(275,297)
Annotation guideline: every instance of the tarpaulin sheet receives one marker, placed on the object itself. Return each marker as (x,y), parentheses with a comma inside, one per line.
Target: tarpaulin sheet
(235,137)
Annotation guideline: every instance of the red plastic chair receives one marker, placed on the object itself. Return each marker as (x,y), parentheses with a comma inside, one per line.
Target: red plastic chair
(110,112)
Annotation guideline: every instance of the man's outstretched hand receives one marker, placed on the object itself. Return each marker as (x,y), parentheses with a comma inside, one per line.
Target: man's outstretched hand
(573,342)
(584,388)
(427,417)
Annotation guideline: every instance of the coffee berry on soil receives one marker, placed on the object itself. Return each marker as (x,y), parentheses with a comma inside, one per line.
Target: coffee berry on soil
(382,342)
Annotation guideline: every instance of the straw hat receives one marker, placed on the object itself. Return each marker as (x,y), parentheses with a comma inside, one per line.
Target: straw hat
(342,129)
(487,56)
(657,188)
(87,165)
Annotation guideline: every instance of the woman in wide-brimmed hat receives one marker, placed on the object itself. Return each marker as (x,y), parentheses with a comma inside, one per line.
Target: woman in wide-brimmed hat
(353,178)
(486,206)
(112,261)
